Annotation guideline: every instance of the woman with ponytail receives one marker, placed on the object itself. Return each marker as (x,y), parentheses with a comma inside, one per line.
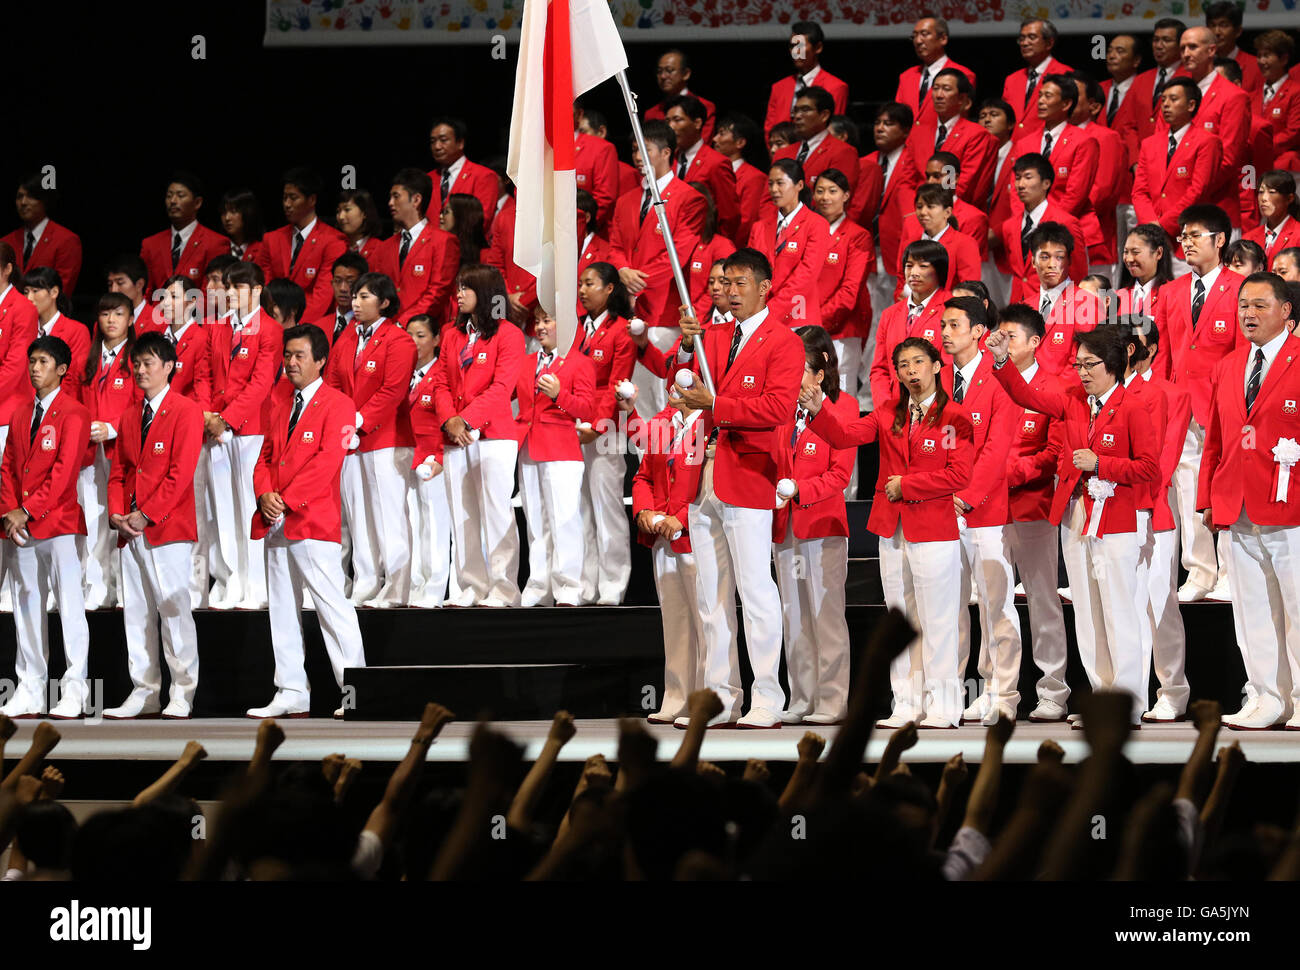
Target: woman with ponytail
(795,240)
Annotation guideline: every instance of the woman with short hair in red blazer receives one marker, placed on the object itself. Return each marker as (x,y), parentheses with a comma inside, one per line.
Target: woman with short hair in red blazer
(555,393)
(476,371)
(1279,215)
(850,258)
(810,529)
(711,247)
(1108,462)
(794,238)
(933,206)
(926,454)
(107,389)
(426,495)
(358,220)
(1147,259)
(241,220)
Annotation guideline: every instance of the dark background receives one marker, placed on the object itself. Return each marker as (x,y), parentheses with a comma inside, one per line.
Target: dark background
(114,100)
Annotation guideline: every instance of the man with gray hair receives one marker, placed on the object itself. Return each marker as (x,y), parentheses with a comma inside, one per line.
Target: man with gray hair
(930,41)
(1036,40)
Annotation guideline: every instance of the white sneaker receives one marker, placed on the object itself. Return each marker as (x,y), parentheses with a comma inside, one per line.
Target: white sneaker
(1162,712)
(279,708)
(140,703)
(666,717)
(1294,723)
(759,717)
(1064,593)
(1075,718)
(1247,709)
(723,720)
(791,717)
(531,599)
(976,713)
(1220,593)
(176,711)
(1048,711)
(1020,589)
(1189,592)
(25,703)
(934,721)
(819,717)
(895,720)
(71,705)
(998,712)
(1266,713)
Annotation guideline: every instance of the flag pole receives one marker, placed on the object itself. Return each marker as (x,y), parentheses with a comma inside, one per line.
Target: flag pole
(658,204)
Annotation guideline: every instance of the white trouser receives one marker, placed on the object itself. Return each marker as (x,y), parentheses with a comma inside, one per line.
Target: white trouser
(1103,588)
(373,489)
(921,579)
(733,552)
(199,577)
(1034,550)
(156,592)
(675,581)
(1163,636)
(316,566)
(651,392)
(38,567)
(848,353)
(605,532)
(100,562)
(1198,541)
(998,282)
(485,540)
(238,563)
(811,575)
(551,494)
(6,580)
(986,565)
(430,518)
(1265,584)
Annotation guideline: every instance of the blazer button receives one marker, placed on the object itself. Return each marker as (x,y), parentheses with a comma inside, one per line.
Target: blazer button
(1193,346)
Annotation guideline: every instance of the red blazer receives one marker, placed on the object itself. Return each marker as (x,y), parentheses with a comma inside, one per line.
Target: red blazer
(368,251)
(1178,411)
(1161,191)
(192,377)
(1261,156)
(76,335)
(501,254)
(864,204)
(668,478)
(963,254)
(1076,311)
(158,474)
(697,273)
(909,88)
(754,396)
(422,415)
(1031,464)
(1136,117)
(1122,436)
(1289,236)
(313,270)
(975,148)
(1004,192)
(1238,470)
(638,243)
(796,266)
(628,179)
(478,388)
(17,330)
(545,427)
(1113,185)
(822,473)
(781,98)
(897,197)
(1024,278)
(1195,353)
(714,170)
(892,330)
(994,423)
(933,457)
(850,258)
(1074,159)
(40,474)
(243,370)
(425,280)
(1283,115)
(710,117)
(1013,93)
(254,252)
(58,248)
(203,247)
(613,358)
(304,467)
(473,179)
(831,153)
(376,380)
(1225,113)
(751,191)
(595,164)
(1252,81)
(109,393)
(1153,495)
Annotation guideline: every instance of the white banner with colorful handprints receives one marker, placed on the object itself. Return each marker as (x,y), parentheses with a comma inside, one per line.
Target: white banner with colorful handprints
(346,22)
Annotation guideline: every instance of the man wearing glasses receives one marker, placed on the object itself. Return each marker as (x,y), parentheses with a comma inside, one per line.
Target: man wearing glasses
(1107,463)
(1198,314)
(1067,309)
(672,74)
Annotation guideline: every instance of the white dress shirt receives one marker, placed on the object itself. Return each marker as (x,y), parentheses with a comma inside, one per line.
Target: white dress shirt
(1271,350)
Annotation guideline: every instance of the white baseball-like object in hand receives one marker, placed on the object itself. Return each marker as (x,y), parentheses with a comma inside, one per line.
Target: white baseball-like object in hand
(21,537)
(424,471)
(659,518)
(354,443)
(359,421)
(584,425)
(227,437)
(685,378)
(625,390)
(636,326)
(475,434)
(785,488)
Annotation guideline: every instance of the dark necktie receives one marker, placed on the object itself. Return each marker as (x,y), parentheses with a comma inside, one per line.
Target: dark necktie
(1046,308)
(1268,93)
(176,249)
(681,169)
(737,335)
(1030,79)
(1047,144)
(406,248)
(958,385)
(1198,301)
(297,413)
(925,86)
(543,361)
(339,327)
(645,204)
(467,354)
(297,248)
(800,86)
(31,244)
(1094,406)
(446,184)
(363,337)
(1113,106)
(940,135)
(588,328)
(1173,146)
(802,156)
(800,422)
(237,340)
(1024,236)
(1157,88)
(36,421)
(1256,377)
(146,419)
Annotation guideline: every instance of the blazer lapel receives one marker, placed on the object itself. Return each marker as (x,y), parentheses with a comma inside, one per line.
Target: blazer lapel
(1211,307)
(1281,364)
(1106,414)
(747,350)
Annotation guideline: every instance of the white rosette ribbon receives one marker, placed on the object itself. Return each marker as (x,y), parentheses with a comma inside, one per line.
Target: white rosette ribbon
(1286,453)
(1099,489)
